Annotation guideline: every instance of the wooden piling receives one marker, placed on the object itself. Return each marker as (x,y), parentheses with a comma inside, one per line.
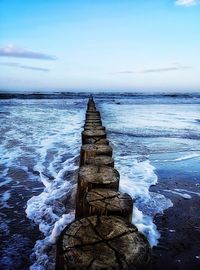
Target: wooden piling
(93,117)
(94,113)
(92,121)
(102,236)
(94,140)
(88,134)
(89,151)
(102,242)
(108,202)
(91,176)
(91,127)
(101,160)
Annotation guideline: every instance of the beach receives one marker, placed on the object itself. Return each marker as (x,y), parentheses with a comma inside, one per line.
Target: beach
(155,141)
(179,225)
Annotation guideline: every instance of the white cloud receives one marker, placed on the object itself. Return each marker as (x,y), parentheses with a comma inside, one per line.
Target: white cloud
(175,67)
(186,3)
(13,51)
(11,64)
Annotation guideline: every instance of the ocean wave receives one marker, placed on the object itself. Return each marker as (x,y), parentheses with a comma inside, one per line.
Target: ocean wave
(149,133)
(153,121)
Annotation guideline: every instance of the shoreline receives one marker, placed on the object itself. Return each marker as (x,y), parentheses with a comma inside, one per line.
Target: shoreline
(179,226)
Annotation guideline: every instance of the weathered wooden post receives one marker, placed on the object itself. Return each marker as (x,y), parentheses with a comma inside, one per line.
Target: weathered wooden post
(89,151)
(96,134)
(103,242)
(91,176)
(102,236)
(108,202)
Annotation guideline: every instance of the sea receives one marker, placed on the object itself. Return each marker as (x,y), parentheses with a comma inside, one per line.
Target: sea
(40,140)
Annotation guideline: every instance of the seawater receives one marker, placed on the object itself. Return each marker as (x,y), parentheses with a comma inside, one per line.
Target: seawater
(40,144)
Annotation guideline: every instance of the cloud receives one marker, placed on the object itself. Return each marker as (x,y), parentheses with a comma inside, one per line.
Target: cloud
(155,70)
(24,66)
(34,68)
(186,3)
(13,51)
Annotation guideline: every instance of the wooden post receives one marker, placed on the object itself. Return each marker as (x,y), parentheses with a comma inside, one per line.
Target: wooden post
(108,202)
(89,151)
(102,242)
(88,134)
(91,176)
(92,127)
(102,236)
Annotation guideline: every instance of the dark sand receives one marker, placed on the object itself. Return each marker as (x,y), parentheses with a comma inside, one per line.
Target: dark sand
(179,226)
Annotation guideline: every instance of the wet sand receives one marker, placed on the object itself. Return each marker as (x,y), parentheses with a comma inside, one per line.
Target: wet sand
(179,226)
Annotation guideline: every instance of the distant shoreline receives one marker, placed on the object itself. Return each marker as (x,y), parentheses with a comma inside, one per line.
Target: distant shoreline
(109,95)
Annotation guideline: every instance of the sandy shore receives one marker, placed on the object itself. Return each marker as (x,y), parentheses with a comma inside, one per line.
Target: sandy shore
(179,245)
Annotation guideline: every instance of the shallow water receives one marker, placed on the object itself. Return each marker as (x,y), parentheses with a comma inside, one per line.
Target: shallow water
(40,143)
(141,131)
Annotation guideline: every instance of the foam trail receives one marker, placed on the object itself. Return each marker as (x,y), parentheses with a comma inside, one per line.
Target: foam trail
(189,191)
(183,195)
(60,225)
(49,212)
(190,156)
(140,177)
(145,224)
(44,249)
(186,157)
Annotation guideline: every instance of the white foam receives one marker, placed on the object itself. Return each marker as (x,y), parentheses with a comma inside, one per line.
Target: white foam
(189,191)
(60,225)
(4,198)
(145,224)
(45,180)
(155,203)
(190,156)
(183,195)
(49,212)
(136,179)
(44,250)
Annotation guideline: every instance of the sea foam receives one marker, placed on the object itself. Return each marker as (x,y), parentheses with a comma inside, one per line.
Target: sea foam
(136,179)
(48,210)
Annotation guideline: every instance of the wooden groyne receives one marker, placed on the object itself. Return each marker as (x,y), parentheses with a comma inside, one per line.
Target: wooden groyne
(102,236)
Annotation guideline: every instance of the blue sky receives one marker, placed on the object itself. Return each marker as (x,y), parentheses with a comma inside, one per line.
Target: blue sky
(122,45)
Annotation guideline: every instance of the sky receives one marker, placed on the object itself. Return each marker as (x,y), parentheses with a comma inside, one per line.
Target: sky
(100,45)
